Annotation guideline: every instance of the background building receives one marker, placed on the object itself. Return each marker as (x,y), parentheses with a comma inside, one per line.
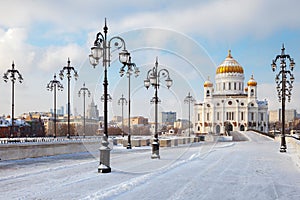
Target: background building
(182,124)
(92,111)
(168,118)
(275,115)
(59,111)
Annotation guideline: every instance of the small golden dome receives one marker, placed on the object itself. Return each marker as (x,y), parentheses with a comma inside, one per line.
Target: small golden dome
(246,89)
(230,65)
(208,83)
(252,82)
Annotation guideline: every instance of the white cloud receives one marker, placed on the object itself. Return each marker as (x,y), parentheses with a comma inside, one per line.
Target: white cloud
(231,19)
(13,47)
(55,57)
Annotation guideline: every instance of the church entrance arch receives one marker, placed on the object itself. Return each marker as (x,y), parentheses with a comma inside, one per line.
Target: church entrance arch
(230,127)
(218,129)
(242,128)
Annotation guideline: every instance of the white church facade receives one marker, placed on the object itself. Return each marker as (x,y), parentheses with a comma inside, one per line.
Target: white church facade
(230,105)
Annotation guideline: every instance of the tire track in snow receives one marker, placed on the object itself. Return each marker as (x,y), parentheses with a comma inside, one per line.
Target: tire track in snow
(179,193)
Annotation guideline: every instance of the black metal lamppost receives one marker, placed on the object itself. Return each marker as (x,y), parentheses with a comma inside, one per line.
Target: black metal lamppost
(84,90)
(68,70)
(153,78)
(102,50)
(13,73)
(284,80)
(189,99)
(52,86)
(131,68)
(121,102)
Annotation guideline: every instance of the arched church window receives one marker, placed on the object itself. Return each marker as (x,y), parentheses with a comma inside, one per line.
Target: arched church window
(207,93)
(251,92)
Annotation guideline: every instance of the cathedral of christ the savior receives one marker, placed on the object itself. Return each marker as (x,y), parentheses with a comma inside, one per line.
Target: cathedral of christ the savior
(230,106)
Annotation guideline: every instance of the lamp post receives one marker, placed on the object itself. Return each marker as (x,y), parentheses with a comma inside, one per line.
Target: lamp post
(121,102)
(68,70)
(102,50)
(52,86)
(153,78)
(189,99)
(131,68)
(84,90)
(284,80)
(12,73)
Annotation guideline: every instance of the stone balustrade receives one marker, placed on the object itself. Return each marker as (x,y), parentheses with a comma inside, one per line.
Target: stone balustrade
(20,148)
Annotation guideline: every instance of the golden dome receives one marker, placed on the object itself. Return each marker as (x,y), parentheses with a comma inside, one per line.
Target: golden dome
(252,82)
(208,83)
(246,89)
(230,65)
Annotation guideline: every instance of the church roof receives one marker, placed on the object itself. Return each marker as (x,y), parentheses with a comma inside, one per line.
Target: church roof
(229,65)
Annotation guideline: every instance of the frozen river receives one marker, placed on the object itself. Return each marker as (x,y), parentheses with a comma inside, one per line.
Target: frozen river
(251,169)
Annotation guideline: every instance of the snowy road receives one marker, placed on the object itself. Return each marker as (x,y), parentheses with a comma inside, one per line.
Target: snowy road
(231,170)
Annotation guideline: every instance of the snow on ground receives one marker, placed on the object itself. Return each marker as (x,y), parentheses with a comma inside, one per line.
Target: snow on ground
(230,170)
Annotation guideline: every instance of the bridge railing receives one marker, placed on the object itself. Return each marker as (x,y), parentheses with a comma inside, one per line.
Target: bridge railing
(263,133)
(46,139)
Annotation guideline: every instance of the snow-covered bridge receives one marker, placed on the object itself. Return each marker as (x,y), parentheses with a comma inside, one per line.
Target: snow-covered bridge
(252,169)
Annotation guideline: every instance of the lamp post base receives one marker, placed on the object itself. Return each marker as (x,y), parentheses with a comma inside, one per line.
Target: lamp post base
(129,142)
(103,169)
(104,166)
(282,149)
(155,149)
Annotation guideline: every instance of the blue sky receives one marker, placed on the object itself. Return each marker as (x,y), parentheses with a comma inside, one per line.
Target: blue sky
(190,39)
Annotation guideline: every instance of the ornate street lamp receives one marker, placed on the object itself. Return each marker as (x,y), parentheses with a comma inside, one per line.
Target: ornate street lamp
(189,99)
(102,50)
(284,80)
(131,68)
(153,78)
(121,102)
(11,74)
(52,86)
(68,70)
(84,90)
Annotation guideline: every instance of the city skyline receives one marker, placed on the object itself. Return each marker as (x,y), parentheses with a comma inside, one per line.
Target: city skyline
(43,35)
